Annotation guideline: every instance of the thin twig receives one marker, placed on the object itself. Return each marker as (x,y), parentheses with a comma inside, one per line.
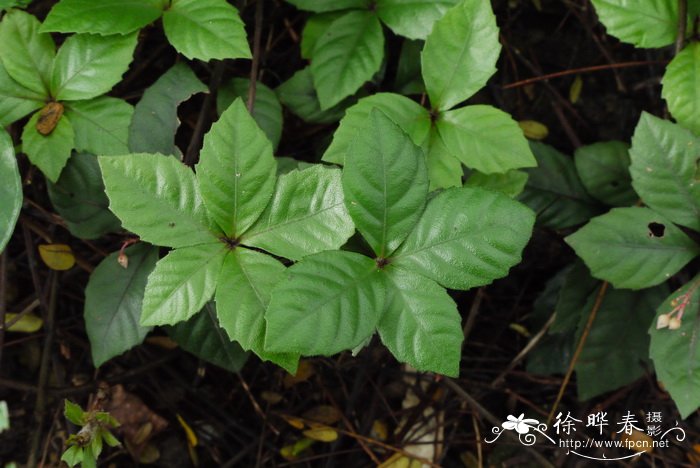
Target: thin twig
(589,324)
(682,24)
(255,66)
(203,118)
(473,312)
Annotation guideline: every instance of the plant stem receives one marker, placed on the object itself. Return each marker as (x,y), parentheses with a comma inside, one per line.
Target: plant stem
(682,24)
(255,66)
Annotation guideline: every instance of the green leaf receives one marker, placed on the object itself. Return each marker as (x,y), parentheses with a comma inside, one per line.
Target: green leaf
(467,237)
(652,23)
(460,53)
(676,353)
(267,110)
(236,170)
(104,17)
(485,138)
(7,4)
(247,280)
(348,54)
(617,345)
(181,283)
(113,298)
(574,297)
(421,325)
(320,6)
(79,197)
(511,183)
(157,198)
(155,120)
(664,169)
(73,455)
(314,28)
(306,215)
(16,101)
(408,73)
(604,170)
(206,29)
(10,189)
(385,183)
(412,18)
(633,248)
(327,303)
(681,87)
(73,413)
(26,54)
(202,336)
(410,116)
(88,65)
(101,125)
(299,96)
(50,152)
(444,170)
(555,192)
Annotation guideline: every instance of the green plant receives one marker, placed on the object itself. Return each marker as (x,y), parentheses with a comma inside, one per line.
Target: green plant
(86,446)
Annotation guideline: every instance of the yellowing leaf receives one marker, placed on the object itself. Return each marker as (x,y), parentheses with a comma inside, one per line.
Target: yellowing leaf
(57,256)
(399,460)
(575,89)
(638,441)
(291,452)
(379,430)
(304,373)
(164,342)
(534,130)
(28,323)
(694,455)
(271,397)
(323,414)
(322,434)
(296,423)
(517,328)
(189,433)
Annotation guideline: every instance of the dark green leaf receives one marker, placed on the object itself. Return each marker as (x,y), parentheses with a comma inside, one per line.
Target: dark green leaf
(102,17)
(573,298)
(319,6)
(10,189)
(299,96)
(680,87)
(50,152)
(101,125)
(408,73)
(604,170)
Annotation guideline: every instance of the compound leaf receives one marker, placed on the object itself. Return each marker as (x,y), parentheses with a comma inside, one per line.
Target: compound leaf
(348,54)
(50,152)
(421,325)
(104,17)
(236,170)
(306,215)
(181,283)
(652,23)
(410,18)
(327,303)
(113,298)
(460,53)
(10,189)
(485,138)
(385,183)
(467,237)
(604,170)
(206,29)
(664,169)
(157,198)
(88,65)
(633,247)
(101,125)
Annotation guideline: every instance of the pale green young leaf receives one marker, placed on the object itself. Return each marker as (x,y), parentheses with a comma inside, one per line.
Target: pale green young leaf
(676,353)
(113,299)
(681,87)
(155,119)
(347,55)
(236,170)
(103,17)
(633,247)
(320,6)
(50,152)
(88,65)
(327,303)
(267,110)
(157,198)
(206,29)
(72,456)
(603,168)
(385,183)
(413,19)
(101,125)
(26,53)
(485,138)
(664,169)
(245,286)
(16,101)
(202,336)
(410,116)
(421,325)
(651,23)
(306,215)
(79,197)
(444,170)
(460,53)
(73,413)
(511,183)
(299,96)
(181,283)
(10,189)
(467,237)
(554,190)
(314,28)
